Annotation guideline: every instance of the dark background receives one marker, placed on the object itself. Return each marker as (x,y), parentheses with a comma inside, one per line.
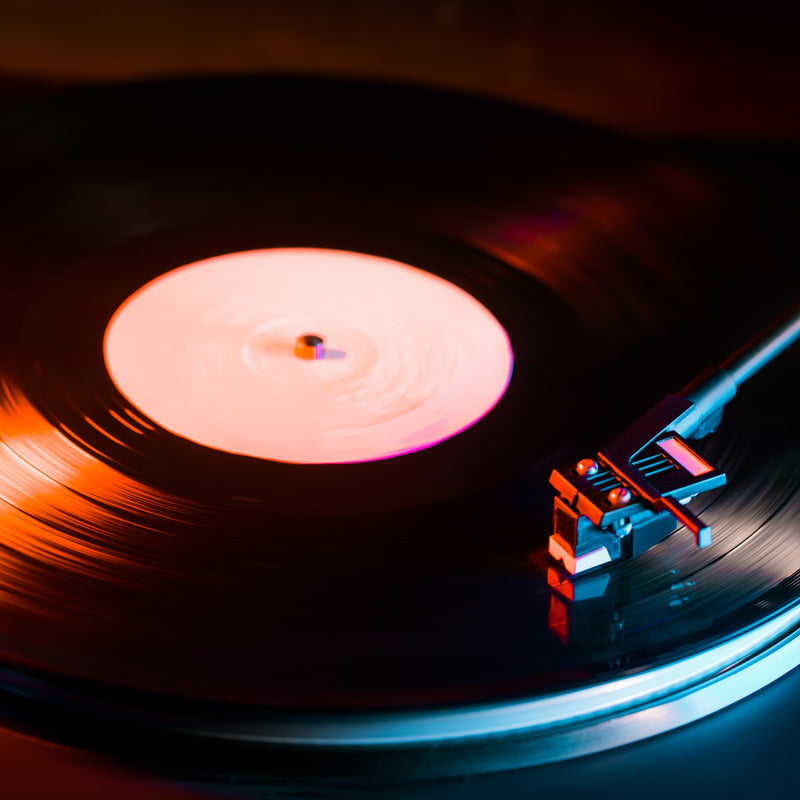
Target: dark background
(701,71)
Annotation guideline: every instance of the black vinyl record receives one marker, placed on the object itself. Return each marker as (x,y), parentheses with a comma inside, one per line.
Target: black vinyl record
(150,581)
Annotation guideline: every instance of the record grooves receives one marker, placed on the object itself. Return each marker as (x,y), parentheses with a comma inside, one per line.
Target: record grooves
(143,572)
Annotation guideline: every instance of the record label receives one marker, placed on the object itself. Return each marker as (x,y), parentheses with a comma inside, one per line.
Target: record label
(214,352)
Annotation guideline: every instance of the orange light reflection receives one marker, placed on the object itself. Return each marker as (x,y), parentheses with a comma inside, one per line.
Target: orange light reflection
(60,506)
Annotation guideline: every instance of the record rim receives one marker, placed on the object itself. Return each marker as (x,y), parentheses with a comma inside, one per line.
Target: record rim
(365,745)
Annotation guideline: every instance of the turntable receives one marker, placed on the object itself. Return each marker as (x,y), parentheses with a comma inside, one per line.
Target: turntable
(278,412)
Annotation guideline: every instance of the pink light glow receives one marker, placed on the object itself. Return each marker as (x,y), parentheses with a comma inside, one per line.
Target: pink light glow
(685,456)
(207,352)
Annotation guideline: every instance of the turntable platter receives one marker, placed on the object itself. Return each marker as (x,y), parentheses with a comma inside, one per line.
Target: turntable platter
(151,573)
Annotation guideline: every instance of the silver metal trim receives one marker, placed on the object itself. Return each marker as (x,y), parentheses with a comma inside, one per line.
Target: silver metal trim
(572,723)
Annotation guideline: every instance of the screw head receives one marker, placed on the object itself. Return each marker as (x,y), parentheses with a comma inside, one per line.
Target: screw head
(619,496)
(587,466)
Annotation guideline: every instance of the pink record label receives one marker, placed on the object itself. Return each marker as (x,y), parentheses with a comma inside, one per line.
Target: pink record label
(214,352)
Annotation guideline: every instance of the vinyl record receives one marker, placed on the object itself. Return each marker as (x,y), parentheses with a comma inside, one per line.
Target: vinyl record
(385,600)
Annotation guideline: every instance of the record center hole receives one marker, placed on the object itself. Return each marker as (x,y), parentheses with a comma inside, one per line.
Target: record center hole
(311,346)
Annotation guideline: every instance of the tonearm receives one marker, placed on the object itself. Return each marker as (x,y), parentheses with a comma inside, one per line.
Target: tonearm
(632,494)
